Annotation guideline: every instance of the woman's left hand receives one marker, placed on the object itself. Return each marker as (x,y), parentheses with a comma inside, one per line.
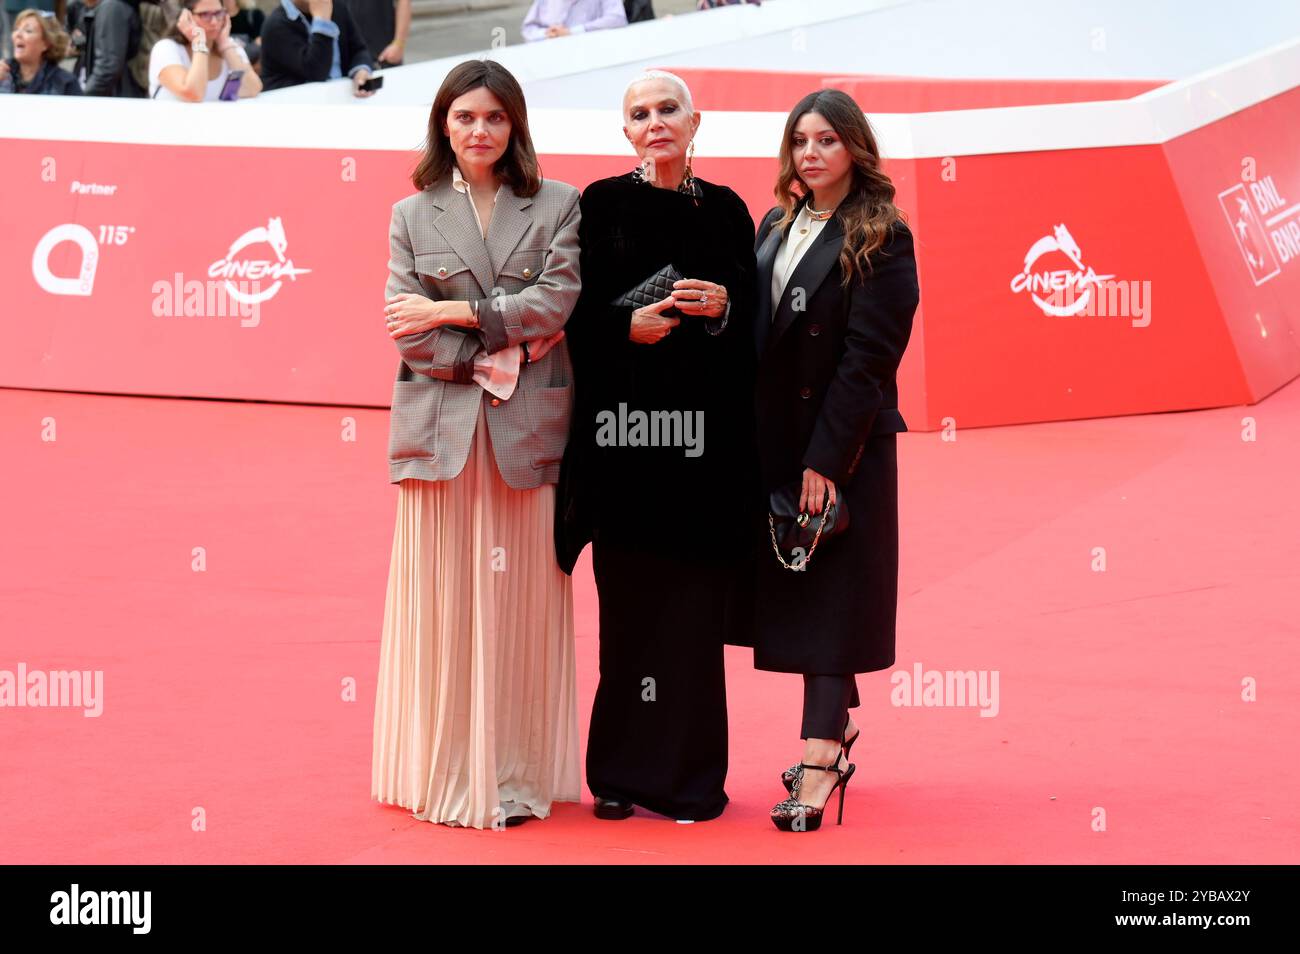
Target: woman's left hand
(223,37)
(407,314)
(693,296)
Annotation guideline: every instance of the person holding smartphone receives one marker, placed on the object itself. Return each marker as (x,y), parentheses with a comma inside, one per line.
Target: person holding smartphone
(198,61)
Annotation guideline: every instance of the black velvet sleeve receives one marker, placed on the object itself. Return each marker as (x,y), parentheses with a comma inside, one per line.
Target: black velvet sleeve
(596,330)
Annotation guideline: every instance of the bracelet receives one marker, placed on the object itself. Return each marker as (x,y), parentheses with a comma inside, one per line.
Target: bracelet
(199,46)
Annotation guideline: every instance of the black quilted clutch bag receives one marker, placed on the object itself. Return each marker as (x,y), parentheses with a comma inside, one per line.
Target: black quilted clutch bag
(793,530)
(655,288)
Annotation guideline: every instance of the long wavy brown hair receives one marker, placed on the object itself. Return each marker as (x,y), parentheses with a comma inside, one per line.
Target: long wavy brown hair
(518,164)
(868,211)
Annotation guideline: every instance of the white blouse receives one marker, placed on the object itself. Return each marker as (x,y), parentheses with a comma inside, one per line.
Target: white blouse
(496,373)
(168,52)
(803,231)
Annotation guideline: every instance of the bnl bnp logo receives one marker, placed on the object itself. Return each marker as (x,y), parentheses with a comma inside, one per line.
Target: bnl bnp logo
(1265,227)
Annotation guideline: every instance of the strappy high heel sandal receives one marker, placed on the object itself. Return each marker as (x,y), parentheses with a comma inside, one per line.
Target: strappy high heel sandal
(789,776)
(794,815)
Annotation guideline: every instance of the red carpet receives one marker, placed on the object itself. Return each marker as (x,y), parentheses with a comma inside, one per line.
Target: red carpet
(1120,691)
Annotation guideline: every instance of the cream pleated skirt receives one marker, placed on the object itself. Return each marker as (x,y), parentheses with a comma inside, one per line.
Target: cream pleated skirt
(476,713)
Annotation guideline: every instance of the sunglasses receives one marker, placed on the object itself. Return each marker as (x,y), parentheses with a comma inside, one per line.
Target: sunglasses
(209,16)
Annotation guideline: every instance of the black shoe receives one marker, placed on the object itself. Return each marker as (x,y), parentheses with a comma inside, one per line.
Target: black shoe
(789,776)
(613,809)
(797,816)
(514,821)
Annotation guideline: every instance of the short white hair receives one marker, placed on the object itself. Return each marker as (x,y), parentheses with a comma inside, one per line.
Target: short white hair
(683,93)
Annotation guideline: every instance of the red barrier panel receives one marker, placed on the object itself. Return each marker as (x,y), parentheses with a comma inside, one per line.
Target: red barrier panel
(1055,284)
(761,90)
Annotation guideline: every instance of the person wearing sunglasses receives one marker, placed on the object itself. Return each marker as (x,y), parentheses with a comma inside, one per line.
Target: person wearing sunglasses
(194,62)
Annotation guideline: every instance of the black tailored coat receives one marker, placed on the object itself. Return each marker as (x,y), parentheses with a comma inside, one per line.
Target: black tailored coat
(827,398)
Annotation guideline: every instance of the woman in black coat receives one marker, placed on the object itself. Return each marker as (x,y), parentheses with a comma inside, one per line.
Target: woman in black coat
(837,290)
(668,507)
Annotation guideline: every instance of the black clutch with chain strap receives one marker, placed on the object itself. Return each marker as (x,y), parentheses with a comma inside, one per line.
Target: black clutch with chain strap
(793,529)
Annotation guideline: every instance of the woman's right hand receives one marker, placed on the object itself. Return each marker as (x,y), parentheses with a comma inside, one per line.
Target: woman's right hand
(538,348)
(189,27)
(649,326)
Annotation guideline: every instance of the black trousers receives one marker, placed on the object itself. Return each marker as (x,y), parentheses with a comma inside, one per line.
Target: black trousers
(826,704)
(658,735)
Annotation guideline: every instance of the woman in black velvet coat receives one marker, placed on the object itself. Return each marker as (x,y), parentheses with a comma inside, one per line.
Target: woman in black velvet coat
(837,289)
(670,526)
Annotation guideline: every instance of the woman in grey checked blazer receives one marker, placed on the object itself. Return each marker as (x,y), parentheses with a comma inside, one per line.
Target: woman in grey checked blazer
(475,711)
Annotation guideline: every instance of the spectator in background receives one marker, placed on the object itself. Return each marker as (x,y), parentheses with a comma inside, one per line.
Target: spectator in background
(385,25)
(113,42)
(81,20)
(638,10)
(548,18)
(245,21)
(194,62)
(39,43)
(9,18)
(294,53)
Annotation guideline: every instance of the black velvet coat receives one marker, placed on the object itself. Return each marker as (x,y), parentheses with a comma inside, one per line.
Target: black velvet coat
(827,398)
(660,499)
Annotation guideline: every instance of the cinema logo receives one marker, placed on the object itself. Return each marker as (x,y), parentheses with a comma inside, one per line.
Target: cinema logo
(1058,281)
(1265,227)
(75,906)
(235,267)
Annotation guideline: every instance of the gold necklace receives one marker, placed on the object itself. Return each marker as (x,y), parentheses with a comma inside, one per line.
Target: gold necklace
(816,215)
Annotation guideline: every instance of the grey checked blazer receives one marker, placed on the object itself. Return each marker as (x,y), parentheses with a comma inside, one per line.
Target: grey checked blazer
(526,281)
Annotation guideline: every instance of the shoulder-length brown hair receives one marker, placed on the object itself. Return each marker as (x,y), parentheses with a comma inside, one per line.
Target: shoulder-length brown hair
(56,38)
(518,164)
(868,210)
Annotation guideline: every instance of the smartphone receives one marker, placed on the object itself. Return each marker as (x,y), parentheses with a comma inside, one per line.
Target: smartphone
(374,83)
(231,90)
